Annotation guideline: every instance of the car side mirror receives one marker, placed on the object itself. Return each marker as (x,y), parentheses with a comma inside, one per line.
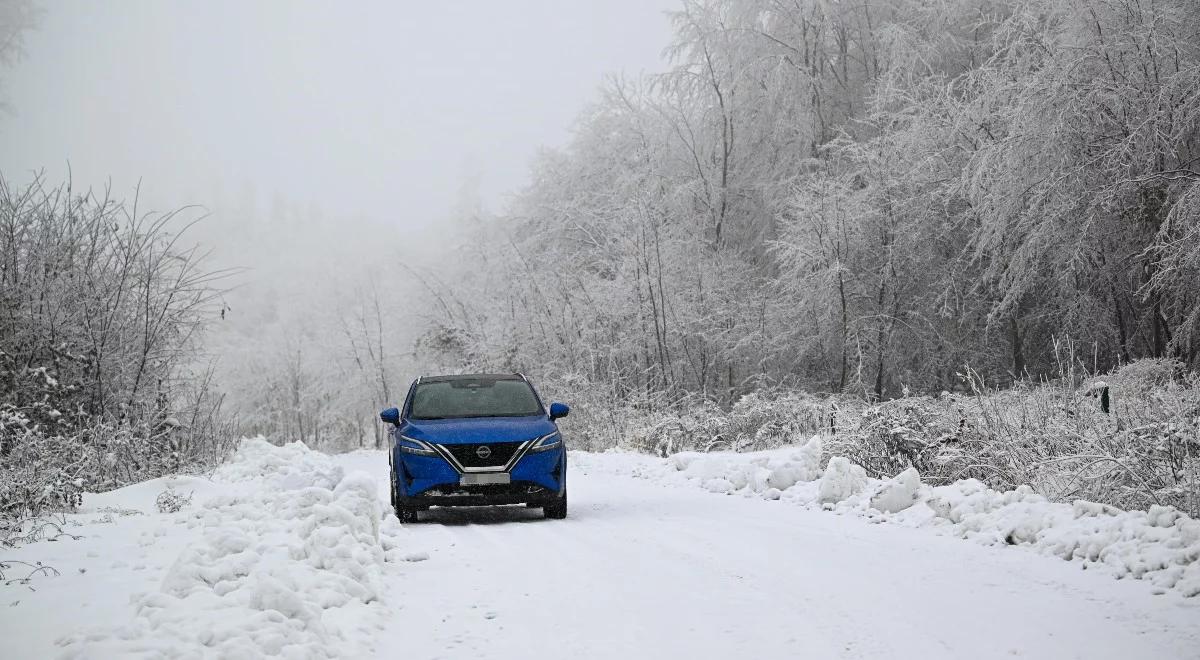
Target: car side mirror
(559,410)
(391,416)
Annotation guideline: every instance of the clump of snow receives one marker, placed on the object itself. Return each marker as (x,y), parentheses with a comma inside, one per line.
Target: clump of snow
(290,467)
(719,485)
(898,493)
(842,479)
(289,558)
(707,468)
(757,472)
(1094,387)
(683,459)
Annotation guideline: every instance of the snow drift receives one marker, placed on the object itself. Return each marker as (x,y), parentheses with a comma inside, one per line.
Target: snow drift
(1161,545)
(288,564)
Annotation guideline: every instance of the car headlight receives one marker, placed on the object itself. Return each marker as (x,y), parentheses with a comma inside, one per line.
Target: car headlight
(546,443)
(416,447)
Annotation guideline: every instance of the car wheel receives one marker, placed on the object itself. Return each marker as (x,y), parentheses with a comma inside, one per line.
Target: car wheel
(557,510)
(392,481)
(406,514)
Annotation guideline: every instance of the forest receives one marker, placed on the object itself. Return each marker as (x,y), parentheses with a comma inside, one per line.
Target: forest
(859,198)
(946,233)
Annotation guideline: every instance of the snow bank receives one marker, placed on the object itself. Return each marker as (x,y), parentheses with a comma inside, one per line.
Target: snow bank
(756,472)
(1161,545)
(290,467)
(288,564)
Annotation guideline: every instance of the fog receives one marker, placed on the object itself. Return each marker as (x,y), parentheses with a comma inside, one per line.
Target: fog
(858,199)
(328,151)
(378,110)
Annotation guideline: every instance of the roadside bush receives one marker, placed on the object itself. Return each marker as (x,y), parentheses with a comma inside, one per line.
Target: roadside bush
(598,419)
(101,310)
(170,501)
(687,426)
(766,419)
(1053,437)
(760,420)
(915,432)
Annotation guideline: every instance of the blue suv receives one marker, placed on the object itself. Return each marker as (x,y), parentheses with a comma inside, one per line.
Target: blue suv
(475,440)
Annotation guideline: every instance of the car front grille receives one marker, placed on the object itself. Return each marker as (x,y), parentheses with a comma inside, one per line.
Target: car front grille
(497,454)
(515,488)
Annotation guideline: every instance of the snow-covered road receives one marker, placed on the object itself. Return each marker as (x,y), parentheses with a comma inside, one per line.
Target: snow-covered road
(641,570)
(292,553)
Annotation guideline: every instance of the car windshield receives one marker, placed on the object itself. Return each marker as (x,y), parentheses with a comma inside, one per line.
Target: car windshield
(474,397)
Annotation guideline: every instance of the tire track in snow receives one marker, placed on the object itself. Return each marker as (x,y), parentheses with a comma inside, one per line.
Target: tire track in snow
(642,569)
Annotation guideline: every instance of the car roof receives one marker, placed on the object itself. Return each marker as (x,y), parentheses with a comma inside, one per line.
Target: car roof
(454,377)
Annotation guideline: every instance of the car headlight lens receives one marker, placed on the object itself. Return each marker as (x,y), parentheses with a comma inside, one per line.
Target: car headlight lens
(546,443)
(416,447)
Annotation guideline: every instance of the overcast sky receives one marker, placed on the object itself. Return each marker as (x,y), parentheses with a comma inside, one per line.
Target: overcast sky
(379,109)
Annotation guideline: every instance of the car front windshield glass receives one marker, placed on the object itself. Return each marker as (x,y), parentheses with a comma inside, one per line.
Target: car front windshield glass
(474,397)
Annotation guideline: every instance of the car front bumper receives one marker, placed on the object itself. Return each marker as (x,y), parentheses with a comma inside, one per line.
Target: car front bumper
(431,481)
(518,492)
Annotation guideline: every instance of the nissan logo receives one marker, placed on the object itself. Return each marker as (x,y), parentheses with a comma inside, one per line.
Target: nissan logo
(483,452)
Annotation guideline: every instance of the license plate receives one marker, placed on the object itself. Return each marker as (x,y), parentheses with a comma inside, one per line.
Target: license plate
(485,479)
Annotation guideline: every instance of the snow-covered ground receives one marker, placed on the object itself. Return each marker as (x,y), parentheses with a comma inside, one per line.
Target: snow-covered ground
(1161,545)
(286,551)
(283,552)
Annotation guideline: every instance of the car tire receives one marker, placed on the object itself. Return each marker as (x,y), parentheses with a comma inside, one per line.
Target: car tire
(558,509)
(392,481)
(406,514)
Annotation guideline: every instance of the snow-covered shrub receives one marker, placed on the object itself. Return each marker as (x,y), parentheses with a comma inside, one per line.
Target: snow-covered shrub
(97,383)
(756,421)
(599,419)
(170,501)
(689,427)
(908,432)
(1052,437)
(762,420)
(39,476)
(1143,376)
(1145,452)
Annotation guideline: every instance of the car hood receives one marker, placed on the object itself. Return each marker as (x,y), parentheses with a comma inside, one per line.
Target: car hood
(478,429)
